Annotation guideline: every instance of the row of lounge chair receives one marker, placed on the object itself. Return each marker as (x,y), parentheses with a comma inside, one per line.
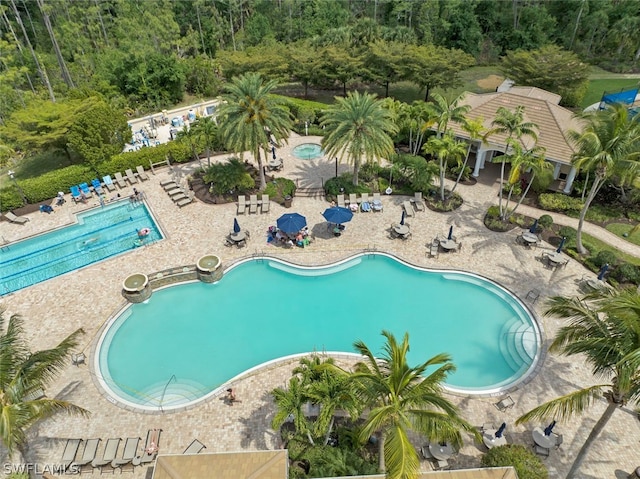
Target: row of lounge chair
(363,203)
(84,191)
(253,204)
(108,461)
(176,193)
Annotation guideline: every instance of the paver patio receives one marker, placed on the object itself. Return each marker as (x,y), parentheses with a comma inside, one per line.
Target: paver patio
(88,297)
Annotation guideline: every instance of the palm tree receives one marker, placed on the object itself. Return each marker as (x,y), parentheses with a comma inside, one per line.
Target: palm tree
(476,130)
(22,375)
(513,125)
(205,130)
(403,398)
(289,405)
(358,127)
(188,136)
(610,141)
(522,161)
(441,111)
(602,330)
(445,148)
(249,113)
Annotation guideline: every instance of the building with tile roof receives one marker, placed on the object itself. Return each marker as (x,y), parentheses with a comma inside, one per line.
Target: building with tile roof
(540,107)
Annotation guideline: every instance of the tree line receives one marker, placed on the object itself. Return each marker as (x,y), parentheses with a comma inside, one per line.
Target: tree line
(146,54)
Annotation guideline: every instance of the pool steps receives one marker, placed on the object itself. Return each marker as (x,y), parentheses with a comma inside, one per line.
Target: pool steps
(519,348)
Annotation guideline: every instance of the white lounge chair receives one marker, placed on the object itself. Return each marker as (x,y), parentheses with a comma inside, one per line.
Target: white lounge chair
(88,455)
(253,204)
(408,209)
(117,177)
(69,453)
(141,173)
(16,219)
(151,448)
(109,454)
(417,201)
(242,205)
(194,448)
(341,201)
(265,204)
(128,453)
(505,404)
(131,177)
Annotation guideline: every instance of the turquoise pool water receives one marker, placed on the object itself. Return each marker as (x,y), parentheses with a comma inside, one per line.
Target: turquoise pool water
(99,234)
(307,151)
(190,339)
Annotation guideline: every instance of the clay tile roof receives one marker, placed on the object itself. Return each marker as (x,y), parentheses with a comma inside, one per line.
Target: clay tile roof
(540,107)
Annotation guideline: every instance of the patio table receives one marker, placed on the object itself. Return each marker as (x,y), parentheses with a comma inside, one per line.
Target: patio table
(448,244)
(237,237)
(490,440)
(541,440)
(529,237)
(401,229)
(440,452)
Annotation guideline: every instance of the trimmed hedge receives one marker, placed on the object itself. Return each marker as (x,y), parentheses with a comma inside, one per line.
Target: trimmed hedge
(561,203)
(47,185)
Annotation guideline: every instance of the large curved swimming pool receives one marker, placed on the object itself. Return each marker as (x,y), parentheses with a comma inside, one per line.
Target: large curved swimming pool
(189,340)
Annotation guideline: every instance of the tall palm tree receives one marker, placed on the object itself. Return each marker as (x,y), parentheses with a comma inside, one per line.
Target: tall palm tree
(358,127)
(445,148)
(610,141)
(513,125)
(290,404)
(522,161)
(603,330)
(249,113)
(476,130)
(403,398)
(442,111)
(205,130)
(22,374)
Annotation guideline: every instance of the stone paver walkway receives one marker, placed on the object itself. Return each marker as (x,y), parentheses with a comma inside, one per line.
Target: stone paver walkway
(88,297)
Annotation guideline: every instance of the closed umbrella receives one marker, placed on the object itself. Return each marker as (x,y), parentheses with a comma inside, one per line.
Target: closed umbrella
(549,428)
(273,152)
(559,250)
(501,429)
(291,222)
(402,219)
(338,215)
(534,227)
(602,271)
(236,225)
(450,232)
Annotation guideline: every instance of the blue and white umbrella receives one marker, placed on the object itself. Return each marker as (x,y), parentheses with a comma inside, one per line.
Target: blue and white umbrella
(337,215)
(236,225)
(402,219)
(291,222)
(559,250)
(534,227)
(549,428)
(501,429)
(450,232)
(602,271)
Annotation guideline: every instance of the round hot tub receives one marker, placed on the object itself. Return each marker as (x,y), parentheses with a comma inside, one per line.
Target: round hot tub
(208,267)
(136,288)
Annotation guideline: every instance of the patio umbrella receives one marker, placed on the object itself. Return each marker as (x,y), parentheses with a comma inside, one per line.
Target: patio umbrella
(273,152)
(450,232)
(402,219)
(501,429)
(534,227)
(549,428)
(236,225)
(337,215)
(602,271)
(291,222)
(559,250)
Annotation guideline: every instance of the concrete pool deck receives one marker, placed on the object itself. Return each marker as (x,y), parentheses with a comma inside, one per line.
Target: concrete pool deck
(88,297)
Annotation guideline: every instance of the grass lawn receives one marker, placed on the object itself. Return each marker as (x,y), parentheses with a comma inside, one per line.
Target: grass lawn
(598,86)
(620,229)
(595,245)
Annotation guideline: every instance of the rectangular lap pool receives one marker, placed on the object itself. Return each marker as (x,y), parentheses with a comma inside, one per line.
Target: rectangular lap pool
(99,234)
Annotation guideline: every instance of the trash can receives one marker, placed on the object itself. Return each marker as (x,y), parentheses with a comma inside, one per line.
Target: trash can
(287,201)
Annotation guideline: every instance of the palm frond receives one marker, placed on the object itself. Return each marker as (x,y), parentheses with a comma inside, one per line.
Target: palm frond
(565,407)
(400,456)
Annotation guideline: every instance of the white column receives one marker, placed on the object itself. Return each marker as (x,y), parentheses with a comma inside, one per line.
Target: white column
(556,171)
(480,153)
(570,178)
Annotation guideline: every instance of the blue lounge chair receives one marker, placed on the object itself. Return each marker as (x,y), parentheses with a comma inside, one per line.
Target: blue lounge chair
(97,186)
(75,193)
(108,183)
(84,187)
(365,206)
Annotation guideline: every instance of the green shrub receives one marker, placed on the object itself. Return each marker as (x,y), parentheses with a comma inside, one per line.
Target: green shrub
(229,176)
(542,181)
(603,257)
(560,202)
(545,221)
(313,130)
(626,273)
(47,185)
(303,110)
(525,462)
(10,199)
(174,151)
(333,186)
(568,232)
(279,188)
